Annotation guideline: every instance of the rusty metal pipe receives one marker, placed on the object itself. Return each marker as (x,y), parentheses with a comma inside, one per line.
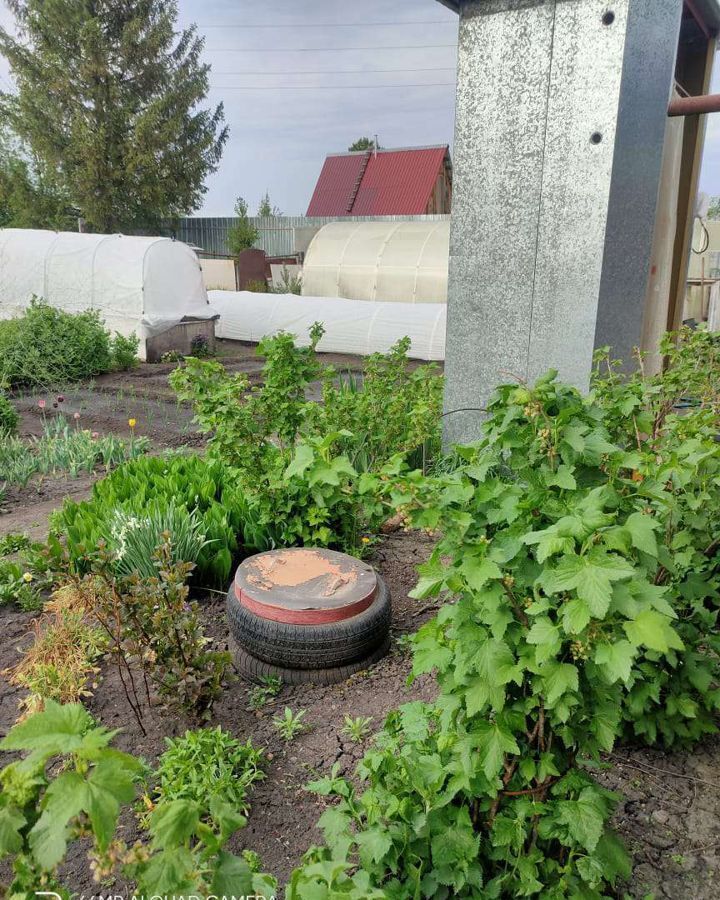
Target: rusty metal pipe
(693,106)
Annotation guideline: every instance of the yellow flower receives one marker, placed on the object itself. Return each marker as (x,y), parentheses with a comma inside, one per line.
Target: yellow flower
(27,577)
(131,423)
(366,540)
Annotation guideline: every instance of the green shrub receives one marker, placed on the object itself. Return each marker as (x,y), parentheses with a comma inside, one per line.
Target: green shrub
(9,417)
(198,485)
(70,788)
(299,463)
(124,351)
(151,623)
(389,409)
(207,765)
(47,346)
(641,407)
(314,500)
(583,561)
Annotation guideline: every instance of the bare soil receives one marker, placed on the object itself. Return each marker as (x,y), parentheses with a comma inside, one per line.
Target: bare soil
(670,814)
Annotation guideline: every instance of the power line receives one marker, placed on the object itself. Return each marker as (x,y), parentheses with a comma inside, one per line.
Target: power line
(335,71)
(337,24)
(321,49)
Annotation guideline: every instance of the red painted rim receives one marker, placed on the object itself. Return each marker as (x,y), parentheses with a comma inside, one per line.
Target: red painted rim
(303,616)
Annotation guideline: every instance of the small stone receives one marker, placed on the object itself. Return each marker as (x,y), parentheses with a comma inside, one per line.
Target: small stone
(659,841)
(660,816)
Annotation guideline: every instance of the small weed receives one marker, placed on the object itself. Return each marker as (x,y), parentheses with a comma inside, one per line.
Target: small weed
(357,729)
(204,766)
(18,586)
(290,724)
(13,543)
(263,693)
(171,356)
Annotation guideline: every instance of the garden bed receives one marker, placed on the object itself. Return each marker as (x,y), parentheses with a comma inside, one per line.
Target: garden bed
(105,405)
(669,811)
(670,817)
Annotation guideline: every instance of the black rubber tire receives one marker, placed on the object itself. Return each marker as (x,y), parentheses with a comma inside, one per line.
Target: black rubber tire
(311,646)
(255,670)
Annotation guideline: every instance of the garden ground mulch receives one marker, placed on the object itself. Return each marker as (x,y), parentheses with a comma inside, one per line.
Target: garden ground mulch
(670,814)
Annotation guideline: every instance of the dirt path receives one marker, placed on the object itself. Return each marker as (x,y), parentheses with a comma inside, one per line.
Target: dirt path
(28,511)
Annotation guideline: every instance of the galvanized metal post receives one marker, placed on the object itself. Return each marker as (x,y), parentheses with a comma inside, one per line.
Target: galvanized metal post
(561,112)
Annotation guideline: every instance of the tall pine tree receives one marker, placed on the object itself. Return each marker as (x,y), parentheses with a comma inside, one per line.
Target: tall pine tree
(110,99)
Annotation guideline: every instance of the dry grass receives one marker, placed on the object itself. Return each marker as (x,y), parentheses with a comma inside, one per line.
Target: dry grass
(60,663)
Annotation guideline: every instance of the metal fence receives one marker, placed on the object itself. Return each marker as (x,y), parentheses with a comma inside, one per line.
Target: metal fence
(276,234)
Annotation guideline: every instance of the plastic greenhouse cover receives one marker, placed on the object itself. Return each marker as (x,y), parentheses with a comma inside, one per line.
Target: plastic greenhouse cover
(141,285)
(351,326)
(403,262)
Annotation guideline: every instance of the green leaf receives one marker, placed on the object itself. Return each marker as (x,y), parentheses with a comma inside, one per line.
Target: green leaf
(494,664)
(173,823)
(108,786)
(616,659)
(11,821)
(573,436)
(559,678)
(168,872)
(57,729)
(584,818)
(64,799)
(653,630)
(430,655)
(226,817)
(563,478)
(642,532)
(546,637)
(232,877)
(456,845)
(334,823)
(478,571)
(373,845)
(576,615)
(303,457)
(595,588)
(613,856)
(591,576)
(493,743)
(432,579)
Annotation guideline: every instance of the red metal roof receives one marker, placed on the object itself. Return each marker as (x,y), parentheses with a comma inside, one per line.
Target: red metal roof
(394,183)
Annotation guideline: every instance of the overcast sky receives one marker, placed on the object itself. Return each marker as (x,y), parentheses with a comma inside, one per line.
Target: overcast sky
(283,86)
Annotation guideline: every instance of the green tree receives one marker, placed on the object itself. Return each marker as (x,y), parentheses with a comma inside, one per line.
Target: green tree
(29,198)
(363,143)
(110,97)
(242,235)
(266,208)
(714,210)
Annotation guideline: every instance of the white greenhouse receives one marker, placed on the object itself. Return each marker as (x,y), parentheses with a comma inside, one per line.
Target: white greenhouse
(351,326)
(390,261)
(138,285)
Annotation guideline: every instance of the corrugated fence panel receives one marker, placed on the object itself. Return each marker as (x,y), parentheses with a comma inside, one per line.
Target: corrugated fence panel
(276,233)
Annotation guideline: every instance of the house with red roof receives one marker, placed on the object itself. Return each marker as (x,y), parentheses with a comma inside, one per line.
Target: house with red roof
(404,182)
